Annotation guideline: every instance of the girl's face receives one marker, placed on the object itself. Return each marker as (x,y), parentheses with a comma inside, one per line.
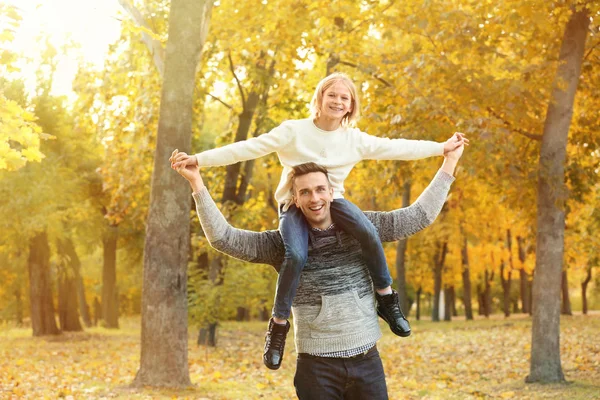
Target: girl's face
(336,103)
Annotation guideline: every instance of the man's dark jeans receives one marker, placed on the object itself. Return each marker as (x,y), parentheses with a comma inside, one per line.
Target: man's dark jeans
(356,378)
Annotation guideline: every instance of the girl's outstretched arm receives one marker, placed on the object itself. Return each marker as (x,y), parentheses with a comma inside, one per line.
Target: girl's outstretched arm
(239,151)
(378,148)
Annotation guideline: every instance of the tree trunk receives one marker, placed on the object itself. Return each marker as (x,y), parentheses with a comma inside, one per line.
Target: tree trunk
(332,61)
(466,278)
(262,87)
(584,286)
(480,300)
(208,333)
(76,268)
(43,320)
(418,316)
(264,314)
(84,308)
(523,277)
(233,171)
(545,363)
(437,285)
(97,311)
(453,303)
(207,336)
(505,290)
(164,341)
(449,300)
(487,294)
(530,295)
(68,273)
(506,282)
(19,306)
(246,177)
(241,314)
(438,265)
(566,301)
(401,257)
(110,310)
(68,312)
(256,98)
(442,306)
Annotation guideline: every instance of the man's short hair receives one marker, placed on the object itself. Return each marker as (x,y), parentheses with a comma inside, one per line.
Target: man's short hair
(305,169)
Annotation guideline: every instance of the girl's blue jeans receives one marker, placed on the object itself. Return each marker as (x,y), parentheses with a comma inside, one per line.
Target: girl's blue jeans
(294,231)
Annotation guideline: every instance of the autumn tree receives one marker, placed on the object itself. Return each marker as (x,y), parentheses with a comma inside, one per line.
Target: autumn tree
(43,320)
(164,301)
(38,215)
(107,110)
(466,278)
(545,348)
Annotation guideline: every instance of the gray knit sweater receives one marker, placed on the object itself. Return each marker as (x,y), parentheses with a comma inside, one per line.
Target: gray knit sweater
(334,307)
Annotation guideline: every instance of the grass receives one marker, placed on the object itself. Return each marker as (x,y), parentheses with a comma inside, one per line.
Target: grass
(481,359)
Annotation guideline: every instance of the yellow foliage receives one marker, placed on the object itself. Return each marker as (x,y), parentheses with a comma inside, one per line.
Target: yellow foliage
(19,136)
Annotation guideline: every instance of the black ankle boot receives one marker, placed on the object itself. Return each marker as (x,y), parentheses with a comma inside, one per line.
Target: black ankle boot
(388,308)
(274,344)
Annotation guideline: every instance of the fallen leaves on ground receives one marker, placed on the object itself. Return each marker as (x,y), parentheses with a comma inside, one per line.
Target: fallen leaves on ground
(488,359)
(458,359)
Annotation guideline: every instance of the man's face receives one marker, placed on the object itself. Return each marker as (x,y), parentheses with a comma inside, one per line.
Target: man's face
(313,196)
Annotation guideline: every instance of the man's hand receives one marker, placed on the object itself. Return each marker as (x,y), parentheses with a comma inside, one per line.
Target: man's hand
(457,140)
(189,172)
(180,159)
(455,154)
(451,159)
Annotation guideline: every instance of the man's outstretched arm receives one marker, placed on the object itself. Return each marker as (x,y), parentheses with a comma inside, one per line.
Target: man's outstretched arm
(258,247)
(404,222)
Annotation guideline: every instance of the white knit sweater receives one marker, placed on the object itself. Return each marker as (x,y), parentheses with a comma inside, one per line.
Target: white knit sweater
(300,141)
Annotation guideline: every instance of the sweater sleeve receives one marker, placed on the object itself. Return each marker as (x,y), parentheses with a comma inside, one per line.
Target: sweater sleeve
(378,148)
(246,149)
(257,247)
(404,222)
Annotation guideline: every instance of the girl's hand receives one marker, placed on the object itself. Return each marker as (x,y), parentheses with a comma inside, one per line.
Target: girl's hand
(180,159)
(457,140)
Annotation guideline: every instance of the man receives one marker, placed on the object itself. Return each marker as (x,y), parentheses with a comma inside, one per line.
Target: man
(335,314)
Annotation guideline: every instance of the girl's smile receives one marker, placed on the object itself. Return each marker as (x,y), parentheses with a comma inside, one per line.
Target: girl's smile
(336,103)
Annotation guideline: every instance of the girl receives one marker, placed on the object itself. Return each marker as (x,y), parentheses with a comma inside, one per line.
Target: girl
(325,138)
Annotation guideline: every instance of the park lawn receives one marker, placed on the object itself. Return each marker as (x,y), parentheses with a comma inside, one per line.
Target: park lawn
(447,360)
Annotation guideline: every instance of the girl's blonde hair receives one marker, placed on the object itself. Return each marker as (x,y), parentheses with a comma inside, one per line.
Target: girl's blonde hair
(326,83)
